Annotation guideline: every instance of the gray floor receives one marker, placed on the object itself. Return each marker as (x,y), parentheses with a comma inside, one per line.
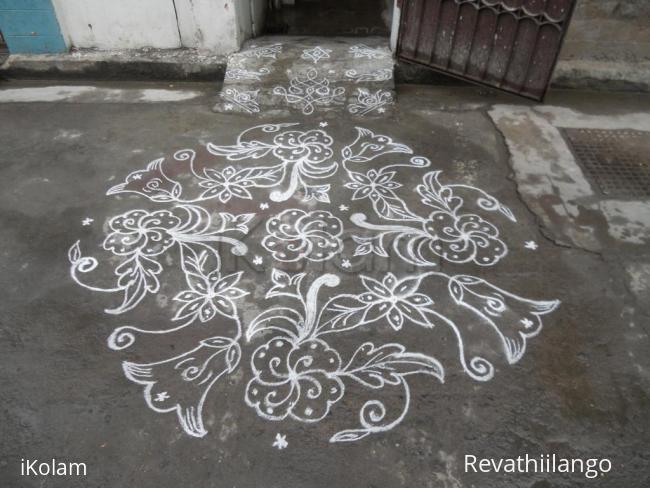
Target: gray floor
(580,388)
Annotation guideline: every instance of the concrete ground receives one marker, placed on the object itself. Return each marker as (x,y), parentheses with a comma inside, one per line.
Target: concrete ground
(475,356)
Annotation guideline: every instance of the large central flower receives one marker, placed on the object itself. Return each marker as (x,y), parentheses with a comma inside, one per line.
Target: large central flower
(311,147)
(296,380)
(464,238)
(140,231)
(295,234)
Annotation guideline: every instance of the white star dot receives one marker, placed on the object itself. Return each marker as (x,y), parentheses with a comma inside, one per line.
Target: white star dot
(280,441)
(532,245)
(161,397)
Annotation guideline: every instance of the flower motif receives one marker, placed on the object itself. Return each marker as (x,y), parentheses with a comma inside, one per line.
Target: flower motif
(297,380)
(208,295)
(226,184)
(296,234)
(310,148)
(373,185)
(139,231)
(396,300)
(464,238)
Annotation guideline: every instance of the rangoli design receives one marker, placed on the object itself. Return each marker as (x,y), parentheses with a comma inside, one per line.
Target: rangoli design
(301,353)
(308,90)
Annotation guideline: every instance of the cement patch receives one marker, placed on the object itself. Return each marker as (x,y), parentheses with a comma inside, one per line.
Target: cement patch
(554,185)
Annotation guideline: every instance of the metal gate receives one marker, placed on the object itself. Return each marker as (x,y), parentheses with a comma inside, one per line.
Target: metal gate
(512,45)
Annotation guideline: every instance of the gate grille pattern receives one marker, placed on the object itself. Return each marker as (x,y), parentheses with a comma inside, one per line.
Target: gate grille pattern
(507,44)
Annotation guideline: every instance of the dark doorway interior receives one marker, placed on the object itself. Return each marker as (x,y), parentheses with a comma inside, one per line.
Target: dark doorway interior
(4,51)
(331,18)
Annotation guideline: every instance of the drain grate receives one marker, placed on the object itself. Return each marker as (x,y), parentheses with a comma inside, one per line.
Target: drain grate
(617,160)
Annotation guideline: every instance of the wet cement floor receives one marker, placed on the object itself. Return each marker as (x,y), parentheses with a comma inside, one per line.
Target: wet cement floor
(317,301)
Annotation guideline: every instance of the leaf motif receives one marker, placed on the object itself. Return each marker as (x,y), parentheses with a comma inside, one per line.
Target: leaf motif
(265,176)
(436,195)
(74,253)
(393,208)
(244,150)
(285,284)
(317,192)
(375,367)
(283,319)
(236,222)
(342,312)
(137,276)
(369,245)
(349,435)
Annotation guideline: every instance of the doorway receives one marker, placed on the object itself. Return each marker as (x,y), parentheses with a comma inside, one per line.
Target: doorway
(329,18)
(4,50)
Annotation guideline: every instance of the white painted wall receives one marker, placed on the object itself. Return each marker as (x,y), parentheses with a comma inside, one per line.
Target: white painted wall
(119,24)
(209,25)
(217,26)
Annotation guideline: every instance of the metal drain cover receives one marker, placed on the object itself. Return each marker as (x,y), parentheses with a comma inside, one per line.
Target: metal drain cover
(617,160)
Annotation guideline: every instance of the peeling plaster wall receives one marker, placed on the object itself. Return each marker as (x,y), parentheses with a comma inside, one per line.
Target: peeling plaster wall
(217,26)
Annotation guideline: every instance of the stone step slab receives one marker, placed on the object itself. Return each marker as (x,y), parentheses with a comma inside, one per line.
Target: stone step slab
(310,75)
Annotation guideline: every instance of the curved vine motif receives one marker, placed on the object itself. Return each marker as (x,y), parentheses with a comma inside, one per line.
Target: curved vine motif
(139,237)
(299,156)
(299,374)
(306,363)
(448,231)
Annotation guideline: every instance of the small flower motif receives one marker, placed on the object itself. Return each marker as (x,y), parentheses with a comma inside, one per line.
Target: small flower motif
(373,185)
(396,300)
(346,263)
(257,260)
(264,206)
(323,124)
(208,295)
(147,233)
(228,107)
(280,442)
(295,234)
(137,176)
(315,54)
(87,221)
(225,184)
(532,245)
(297,380)
(344,208)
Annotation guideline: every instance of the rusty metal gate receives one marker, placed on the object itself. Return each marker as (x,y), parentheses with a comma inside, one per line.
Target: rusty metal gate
(511,45)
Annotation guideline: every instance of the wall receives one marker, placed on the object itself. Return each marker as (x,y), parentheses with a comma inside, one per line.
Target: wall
(217,26)
(209,25)
(119,24)
(609,30)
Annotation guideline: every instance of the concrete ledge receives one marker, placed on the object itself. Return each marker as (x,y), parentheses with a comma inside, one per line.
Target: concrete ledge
(579,74)
(145,64)
(193,65)
(603,75)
